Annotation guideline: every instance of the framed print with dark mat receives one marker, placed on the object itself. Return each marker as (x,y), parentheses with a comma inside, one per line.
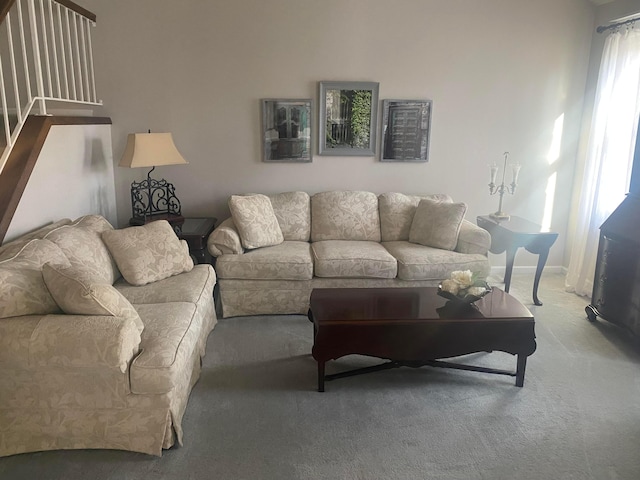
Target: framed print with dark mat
(286,130)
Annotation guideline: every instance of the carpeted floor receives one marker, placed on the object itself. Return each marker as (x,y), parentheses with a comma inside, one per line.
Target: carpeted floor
(255,413)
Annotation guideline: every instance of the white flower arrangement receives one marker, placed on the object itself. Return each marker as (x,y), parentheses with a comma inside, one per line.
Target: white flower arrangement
(462,283)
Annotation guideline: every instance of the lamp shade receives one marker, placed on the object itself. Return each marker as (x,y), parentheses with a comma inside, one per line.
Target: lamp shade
(150,150)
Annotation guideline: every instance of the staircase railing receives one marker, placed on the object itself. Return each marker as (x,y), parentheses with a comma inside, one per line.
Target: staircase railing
(46,55)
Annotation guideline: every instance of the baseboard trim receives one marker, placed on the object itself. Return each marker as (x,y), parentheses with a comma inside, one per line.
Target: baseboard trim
(530,270)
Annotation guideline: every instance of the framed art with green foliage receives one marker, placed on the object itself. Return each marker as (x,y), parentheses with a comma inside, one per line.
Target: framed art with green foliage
(348,118)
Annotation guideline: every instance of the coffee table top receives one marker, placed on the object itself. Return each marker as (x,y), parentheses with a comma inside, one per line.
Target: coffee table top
(332,306)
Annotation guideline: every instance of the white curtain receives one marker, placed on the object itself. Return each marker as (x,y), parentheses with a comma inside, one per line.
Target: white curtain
(610,152)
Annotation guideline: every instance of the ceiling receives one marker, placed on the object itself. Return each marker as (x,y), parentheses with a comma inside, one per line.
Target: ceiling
(600,2)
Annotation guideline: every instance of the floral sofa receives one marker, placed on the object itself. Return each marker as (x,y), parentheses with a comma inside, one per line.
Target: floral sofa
(275,249)
(102,332)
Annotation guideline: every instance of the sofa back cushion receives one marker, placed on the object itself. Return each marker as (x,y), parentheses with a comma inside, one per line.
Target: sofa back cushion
(345,215)
(397,211)
(81,242)
(22,288)
(293,211)
(148,253)
(9,249)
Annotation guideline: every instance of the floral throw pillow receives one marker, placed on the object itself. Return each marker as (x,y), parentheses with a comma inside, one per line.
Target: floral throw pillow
(255,220)
(76,293)
(148,253)
(437,224)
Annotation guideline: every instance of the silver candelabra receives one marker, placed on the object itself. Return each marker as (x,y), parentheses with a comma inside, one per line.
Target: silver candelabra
(502,188)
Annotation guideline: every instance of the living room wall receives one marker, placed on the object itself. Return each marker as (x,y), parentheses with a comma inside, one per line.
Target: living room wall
(503,75)
(72,177)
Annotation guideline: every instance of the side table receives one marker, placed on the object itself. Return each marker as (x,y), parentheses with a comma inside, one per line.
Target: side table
(196,231)
(173,220)
(513,233)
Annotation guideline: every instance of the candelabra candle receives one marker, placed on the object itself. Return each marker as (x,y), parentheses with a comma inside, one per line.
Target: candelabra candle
(502,188)
(494,172)
(516,171)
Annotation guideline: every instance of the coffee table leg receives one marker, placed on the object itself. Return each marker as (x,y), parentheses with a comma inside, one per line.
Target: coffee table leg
(321,376)
(522,364)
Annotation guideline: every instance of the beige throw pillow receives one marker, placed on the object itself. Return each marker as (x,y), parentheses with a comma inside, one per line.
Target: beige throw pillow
(77,294)
(148,253)
(437,224)
(255,220)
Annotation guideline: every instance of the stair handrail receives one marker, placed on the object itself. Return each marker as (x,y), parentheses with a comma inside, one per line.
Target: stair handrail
(54,45)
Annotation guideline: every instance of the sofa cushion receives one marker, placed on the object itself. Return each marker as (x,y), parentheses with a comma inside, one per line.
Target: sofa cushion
(170,336)
(148,253)
(186,287)
(76,292)
(9,249)
(293,211)
(255,220)
(397,210)
(354,259)
(290,260)
(345,215)
(23,290)
(85,250)
(95,223)
(437,224)
(417,262)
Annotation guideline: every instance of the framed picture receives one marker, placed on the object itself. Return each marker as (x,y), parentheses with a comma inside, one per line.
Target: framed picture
(405,130)
(348,118)
(286,130)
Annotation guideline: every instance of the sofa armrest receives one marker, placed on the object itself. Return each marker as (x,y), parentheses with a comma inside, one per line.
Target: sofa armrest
(473,239)
(84,341)
(225,240)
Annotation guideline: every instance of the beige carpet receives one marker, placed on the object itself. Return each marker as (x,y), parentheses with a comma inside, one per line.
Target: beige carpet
(255,413)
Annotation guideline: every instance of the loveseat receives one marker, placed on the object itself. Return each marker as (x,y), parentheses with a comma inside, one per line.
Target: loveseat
(102,332)
(275,249)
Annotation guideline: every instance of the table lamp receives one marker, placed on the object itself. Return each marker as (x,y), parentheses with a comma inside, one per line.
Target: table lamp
(152,199)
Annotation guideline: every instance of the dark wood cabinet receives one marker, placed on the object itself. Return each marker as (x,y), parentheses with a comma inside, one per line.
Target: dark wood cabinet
(616,286)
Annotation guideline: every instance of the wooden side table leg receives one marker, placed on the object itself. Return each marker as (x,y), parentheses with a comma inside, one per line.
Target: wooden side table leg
(511,256)
(522,365)
(321,376)
(542,260)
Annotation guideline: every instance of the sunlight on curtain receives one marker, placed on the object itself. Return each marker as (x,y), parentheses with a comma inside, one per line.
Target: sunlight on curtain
(610,151)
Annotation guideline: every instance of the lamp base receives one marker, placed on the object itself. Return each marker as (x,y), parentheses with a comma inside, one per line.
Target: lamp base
(500,216)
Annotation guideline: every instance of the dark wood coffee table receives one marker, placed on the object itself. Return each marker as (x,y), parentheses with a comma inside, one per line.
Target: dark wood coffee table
(415,327)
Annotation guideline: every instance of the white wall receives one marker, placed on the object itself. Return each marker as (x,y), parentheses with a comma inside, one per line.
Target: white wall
(501,73)
(72,177)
